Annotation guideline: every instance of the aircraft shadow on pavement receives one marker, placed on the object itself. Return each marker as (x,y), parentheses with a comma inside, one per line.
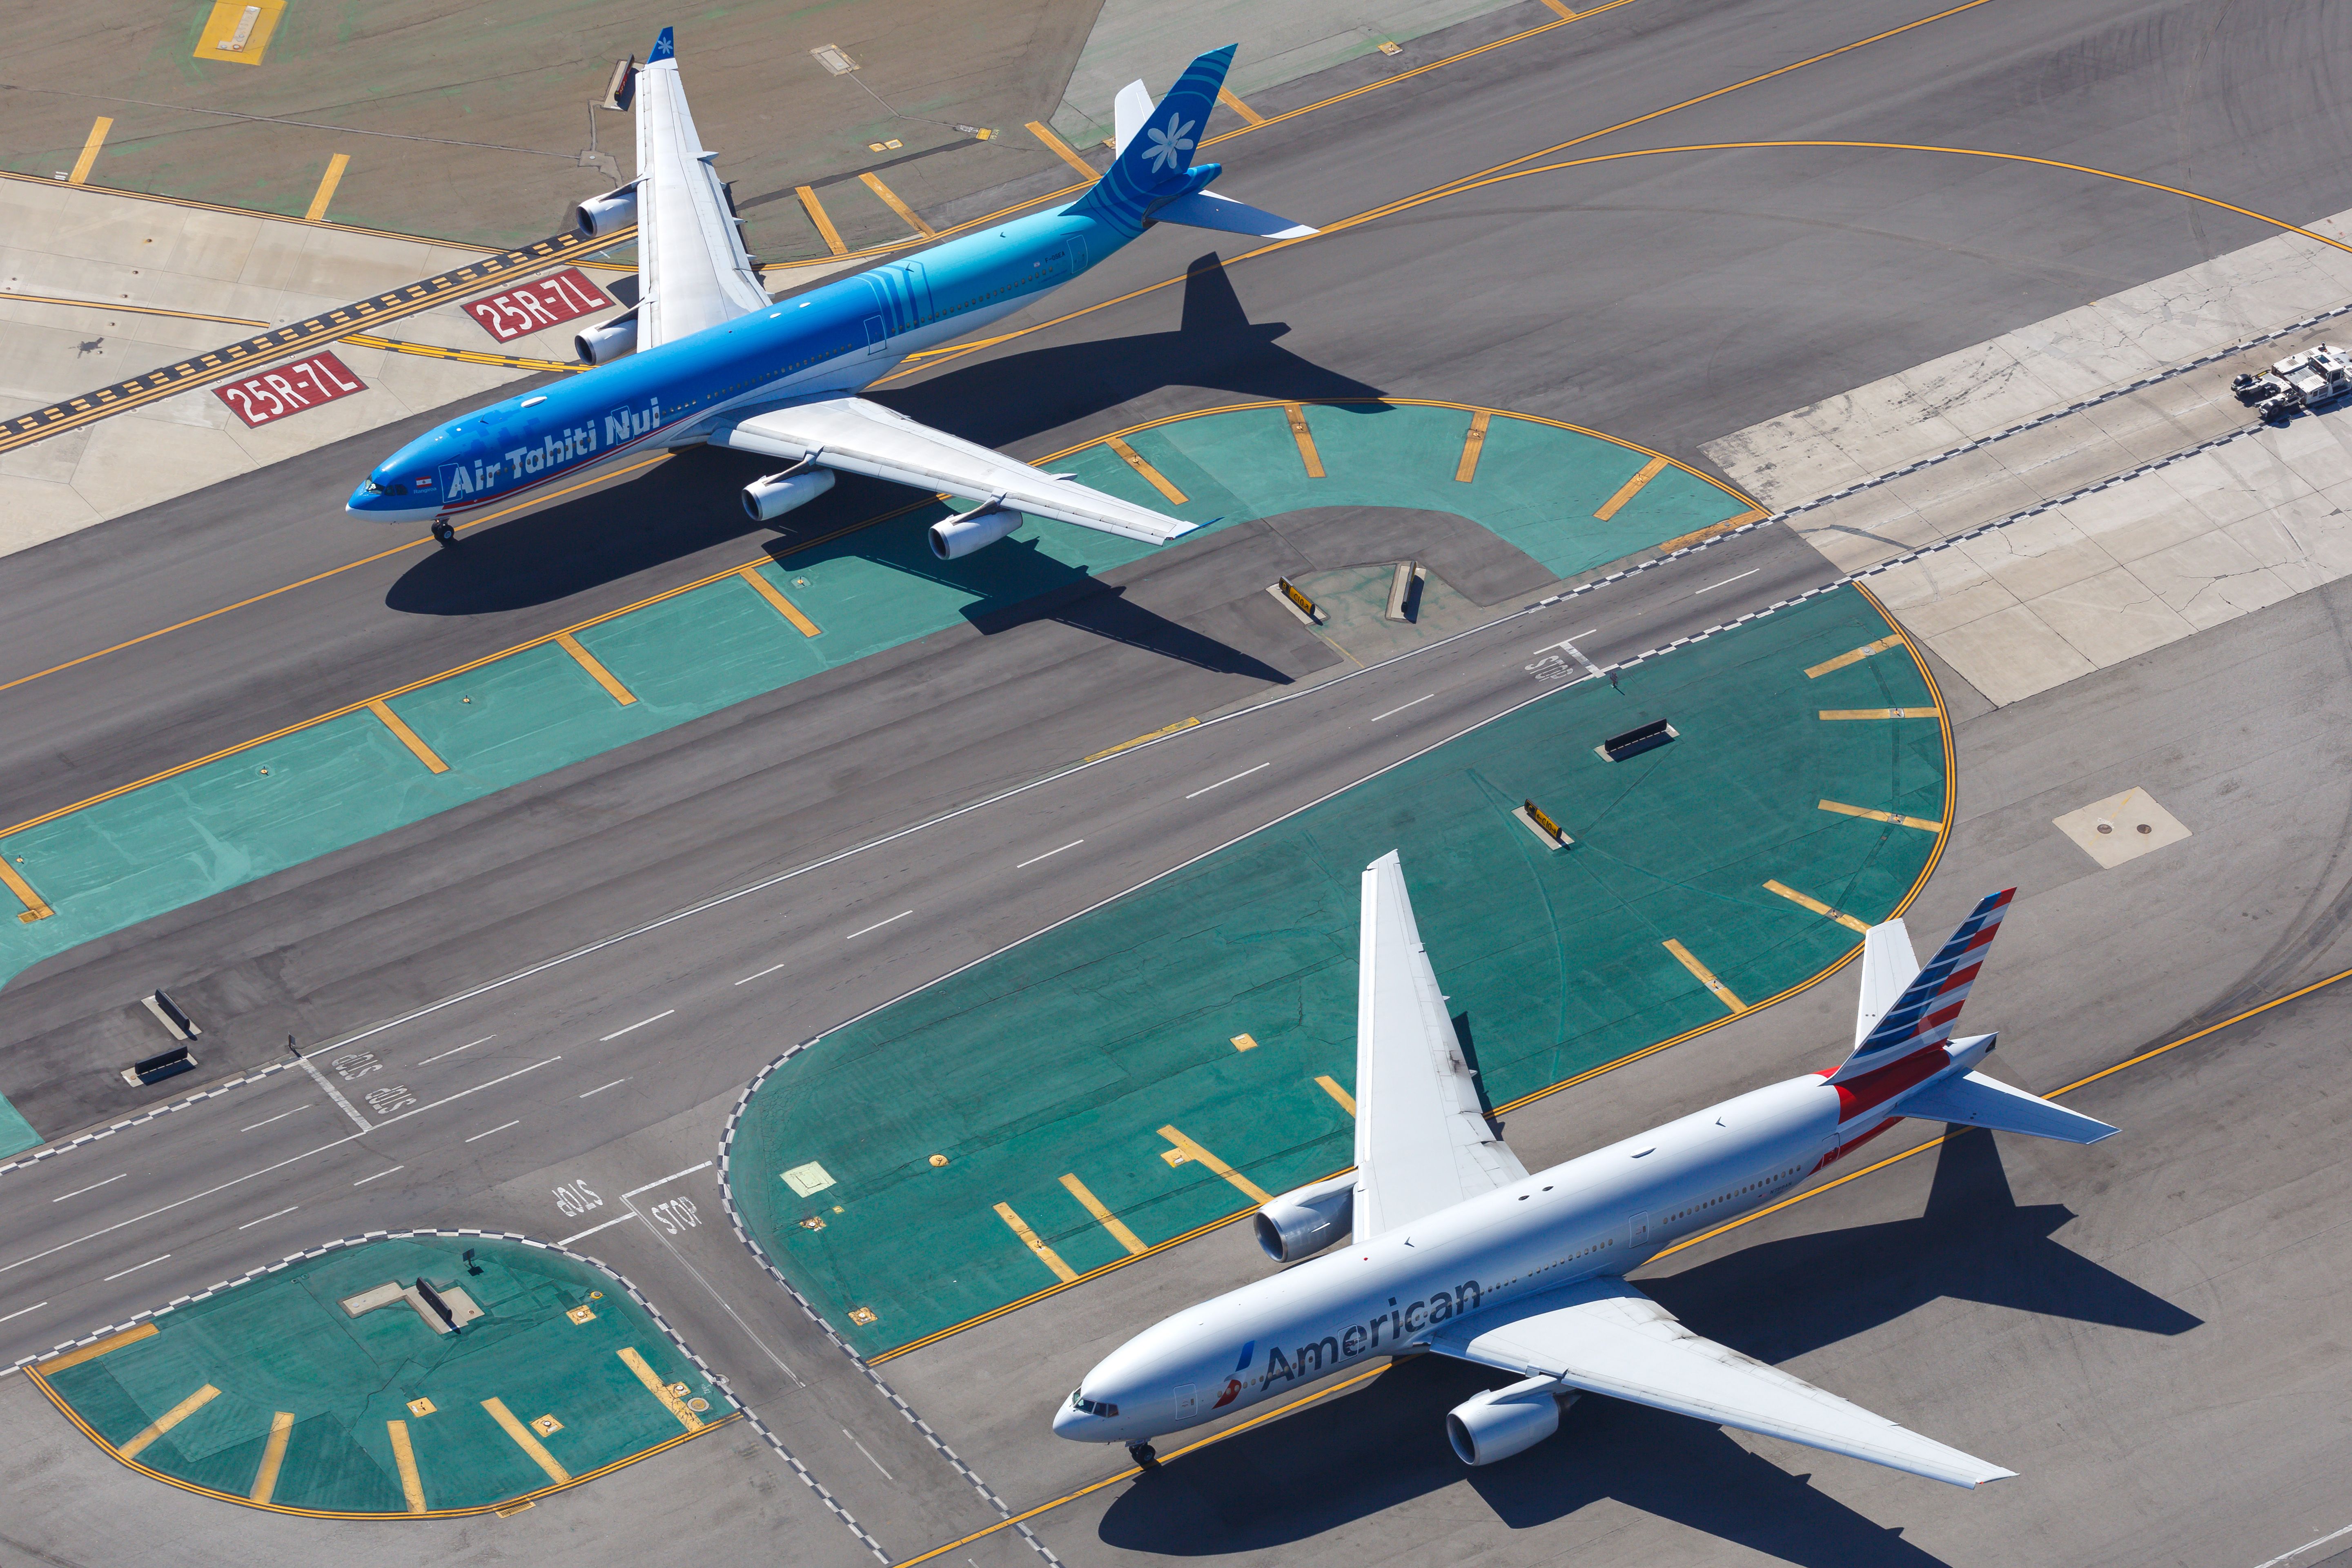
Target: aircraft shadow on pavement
(1384,1444)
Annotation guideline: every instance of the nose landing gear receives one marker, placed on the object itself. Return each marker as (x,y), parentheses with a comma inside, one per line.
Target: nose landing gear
(1142,1454)
(443,533)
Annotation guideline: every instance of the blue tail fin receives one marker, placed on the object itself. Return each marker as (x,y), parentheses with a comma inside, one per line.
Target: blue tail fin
(1157,164)
(665,48)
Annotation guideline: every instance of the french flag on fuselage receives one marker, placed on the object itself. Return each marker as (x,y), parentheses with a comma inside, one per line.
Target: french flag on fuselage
(1923,1016)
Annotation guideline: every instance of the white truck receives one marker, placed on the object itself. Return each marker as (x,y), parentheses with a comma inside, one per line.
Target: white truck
(2301,380)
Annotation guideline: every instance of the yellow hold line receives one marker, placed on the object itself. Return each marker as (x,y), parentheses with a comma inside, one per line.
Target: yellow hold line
(1123,746)
(1193,1151)
(406,736)
(1631,487)
(660,1389)
(412,1485)
(1921,822)
(169,1419)
(815,209)
(595,669)
(273,1456)
(1306,439)
(1882,713)
(1855,656)
(1815,905)
(90,151)
(1473,443)
(1030,1239)
(1705,976)
(1158,480)
(890,199)
(1225,96)
(327,183)
(775,597)
(524,1439)
(1110,1221)
(36,907)
(1061,149)
(95,1349)
(1331,1087)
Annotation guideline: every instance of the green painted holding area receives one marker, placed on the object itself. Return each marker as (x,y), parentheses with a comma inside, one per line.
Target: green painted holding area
(559,1342)
(1068,1054)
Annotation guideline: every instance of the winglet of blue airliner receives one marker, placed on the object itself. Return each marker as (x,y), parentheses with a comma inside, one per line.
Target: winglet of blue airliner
(665,48)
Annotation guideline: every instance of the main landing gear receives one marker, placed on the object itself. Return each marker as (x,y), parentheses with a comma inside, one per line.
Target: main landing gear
(443,533)
(1141,1452)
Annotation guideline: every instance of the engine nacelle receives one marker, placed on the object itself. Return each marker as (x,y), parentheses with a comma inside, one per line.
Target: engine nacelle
(607,214)
(768,498)
(954,537)
(1502,1422)
(1307,1220)
(602,345)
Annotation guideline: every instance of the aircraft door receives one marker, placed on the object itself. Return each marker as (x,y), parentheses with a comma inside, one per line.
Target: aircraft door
(1188,1404)
(876,339)
(1637,1231)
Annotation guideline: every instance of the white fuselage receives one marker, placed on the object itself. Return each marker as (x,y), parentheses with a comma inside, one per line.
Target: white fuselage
(1601,1213)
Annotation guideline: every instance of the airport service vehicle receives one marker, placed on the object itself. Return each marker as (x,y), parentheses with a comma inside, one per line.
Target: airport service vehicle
(1457,1248)
(2305,379)
(707,357)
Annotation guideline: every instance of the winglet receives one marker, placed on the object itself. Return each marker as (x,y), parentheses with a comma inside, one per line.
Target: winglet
(665,48)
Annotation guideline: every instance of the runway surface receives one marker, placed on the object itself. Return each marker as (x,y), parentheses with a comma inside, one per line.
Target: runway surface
(2151,1367)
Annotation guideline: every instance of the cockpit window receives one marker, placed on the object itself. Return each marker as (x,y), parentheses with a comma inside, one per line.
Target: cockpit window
(372,488)
(1078,1401)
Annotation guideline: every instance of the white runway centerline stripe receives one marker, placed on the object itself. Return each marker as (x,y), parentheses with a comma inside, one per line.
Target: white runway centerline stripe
(268,1119)
(1048,854)
(1711,587)
(593,1229)
(1222,782)
(603,1086)
(1394,711)
(248,1225)
(22,1310)
(453,1050)
(877,925)
(500,1127)
(2284,1556)
(638,1024)
(761,976)
(673,1176)
(91,1188)
(133,1269)
(363,1181)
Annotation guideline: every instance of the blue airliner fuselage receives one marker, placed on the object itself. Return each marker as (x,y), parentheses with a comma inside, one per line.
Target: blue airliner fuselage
(833,341)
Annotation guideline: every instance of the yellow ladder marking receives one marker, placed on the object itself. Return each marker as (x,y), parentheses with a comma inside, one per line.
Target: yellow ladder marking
(36,907)
(1331,1087)
(1473,445)
(1919,822)
(97,1348)
(407,737)
(169,1419)
(1225,96)
(273,1454)
(1853,656)
(1029,1239)
(1123,746)
(815,209)
(1061,149)
(1630,489)
(412,1485)
(596,671)
(1815,905)
(1882,713)
(1306,439)
(90,151)
(775,596)
(890,199)
(1192,1151)
(1705,976)
(1159,481)
(327,183)
(1565,14)
(1110,1221)
(524,1439)
(1245,1042)
(660,1389)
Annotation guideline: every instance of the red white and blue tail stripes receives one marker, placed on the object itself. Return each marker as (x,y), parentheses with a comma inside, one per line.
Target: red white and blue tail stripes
(1923,1016)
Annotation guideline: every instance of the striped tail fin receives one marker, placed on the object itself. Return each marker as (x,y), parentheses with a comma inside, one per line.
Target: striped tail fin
(1156,164)
(1922,1016)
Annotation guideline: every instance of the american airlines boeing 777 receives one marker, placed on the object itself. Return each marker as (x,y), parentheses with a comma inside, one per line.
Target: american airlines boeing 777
(709,358)
(1457,1248)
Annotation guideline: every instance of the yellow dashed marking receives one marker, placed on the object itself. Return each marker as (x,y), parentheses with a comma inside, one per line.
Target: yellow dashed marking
(1919,822)
(1815,905)
(1855,656)
(1110,1221)
(1029,1239)
(1630,489)
(1704,976)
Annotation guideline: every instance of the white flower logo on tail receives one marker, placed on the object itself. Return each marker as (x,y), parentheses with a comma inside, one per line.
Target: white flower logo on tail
(1166,144)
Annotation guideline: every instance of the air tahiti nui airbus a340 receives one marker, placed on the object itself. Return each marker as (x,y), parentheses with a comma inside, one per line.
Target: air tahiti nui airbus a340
(1457,1248)
(709,358)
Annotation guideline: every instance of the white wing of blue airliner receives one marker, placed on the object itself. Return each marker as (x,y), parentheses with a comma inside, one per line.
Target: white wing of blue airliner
(1423,1140)
(692,268)
(1606,1336)
(861,437)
